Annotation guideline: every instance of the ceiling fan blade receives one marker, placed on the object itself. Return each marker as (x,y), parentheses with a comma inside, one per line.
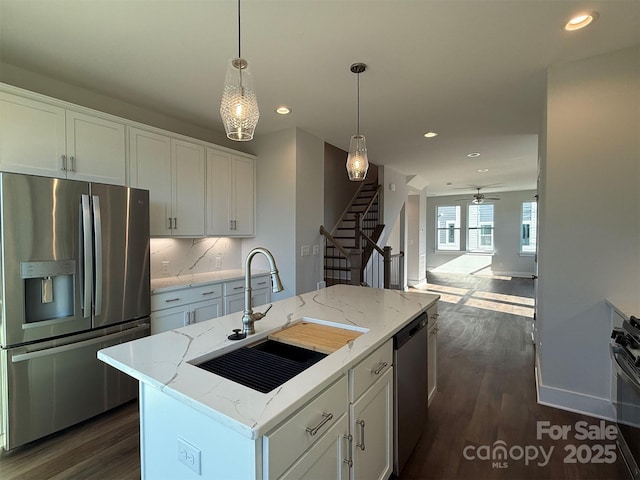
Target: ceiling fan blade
(491,198)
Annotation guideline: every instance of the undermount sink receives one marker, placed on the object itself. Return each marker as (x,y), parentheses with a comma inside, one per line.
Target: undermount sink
(263,366)
(267,364)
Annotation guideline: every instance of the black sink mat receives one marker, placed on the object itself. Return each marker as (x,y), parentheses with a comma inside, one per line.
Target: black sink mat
(260,370)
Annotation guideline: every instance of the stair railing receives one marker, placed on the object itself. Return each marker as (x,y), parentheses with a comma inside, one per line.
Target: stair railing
(352,259)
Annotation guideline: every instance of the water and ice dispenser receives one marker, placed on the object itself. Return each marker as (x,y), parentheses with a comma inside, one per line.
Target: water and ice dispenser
(48,289)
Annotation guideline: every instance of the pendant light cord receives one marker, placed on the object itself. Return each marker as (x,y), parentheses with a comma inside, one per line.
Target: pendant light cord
(239,55)
(358,107)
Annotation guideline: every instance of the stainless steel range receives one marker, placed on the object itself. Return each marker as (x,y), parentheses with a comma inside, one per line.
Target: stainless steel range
(625,352)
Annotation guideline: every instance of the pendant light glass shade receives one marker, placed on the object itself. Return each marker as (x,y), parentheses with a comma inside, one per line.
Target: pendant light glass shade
(239,105)
(357,161)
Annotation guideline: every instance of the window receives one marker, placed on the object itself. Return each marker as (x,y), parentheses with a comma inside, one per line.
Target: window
(528,231)
(480,228)
(448,227)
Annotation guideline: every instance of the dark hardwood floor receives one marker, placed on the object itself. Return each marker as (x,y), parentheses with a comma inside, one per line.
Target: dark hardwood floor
(486,394)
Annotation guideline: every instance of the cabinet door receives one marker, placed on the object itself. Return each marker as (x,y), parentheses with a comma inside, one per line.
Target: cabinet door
(243,203)
(206,310)
(432,355)
(219,189)
(150,168)
(188,188)
(32,137)
(95,149)
(169,319)
(371,422)
(327,459)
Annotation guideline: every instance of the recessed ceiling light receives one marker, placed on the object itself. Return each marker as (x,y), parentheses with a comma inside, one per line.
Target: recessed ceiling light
(473,155)
(581,21)
(430,134)
(483,170)
(283,110)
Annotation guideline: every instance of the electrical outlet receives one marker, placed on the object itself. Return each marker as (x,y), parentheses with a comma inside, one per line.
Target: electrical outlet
(218,263)
(189,455)
(316,249)
(165,266)
(322,284)
(306,250)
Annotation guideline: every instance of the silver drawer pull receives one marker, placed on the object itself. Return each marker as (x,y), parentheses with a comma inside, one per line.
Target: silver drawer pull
(361,444)
(169,300)
(381,366)
(326,417)
(238,288)
(209,293)
(262,283)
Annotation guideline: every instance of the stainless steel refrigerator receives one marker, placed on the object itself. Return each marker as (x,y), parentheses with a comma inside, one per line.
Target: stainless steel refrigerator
(74,266)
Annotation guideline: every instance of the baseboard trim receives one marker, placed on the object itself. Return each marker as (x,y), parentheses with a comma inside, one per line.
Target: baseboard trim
(572,401)
(513,274)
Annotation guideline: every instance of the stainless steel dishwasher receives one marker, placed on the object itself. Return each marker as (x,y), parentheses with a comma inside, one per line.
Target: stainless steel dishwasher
(410,382)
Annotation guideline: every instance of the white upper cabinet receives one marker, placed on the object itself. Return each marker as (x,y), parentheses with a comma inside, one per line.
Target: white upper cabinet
(95,149)
(173,172)
(187,161)
(150,168)
(230,194)
(42,139)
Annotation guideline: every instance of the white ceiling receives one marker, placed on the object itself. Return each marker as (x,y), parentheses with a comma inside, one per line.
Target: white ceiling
(474,71)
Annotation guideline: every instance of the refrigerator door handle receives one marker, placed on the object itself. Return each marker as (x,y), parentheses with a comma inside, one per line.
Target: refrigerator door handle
(86,267)
(20,357)
(97,228)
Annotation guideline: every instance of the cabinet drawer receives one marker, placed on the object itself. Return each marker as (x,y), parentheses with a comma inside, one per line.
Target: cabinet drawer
(232,288)
(363,375)
(286,443)
(185,296)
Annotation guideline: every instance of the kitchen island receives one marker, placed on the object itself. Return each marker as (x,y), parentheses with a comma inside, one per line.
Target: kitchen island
(195,424)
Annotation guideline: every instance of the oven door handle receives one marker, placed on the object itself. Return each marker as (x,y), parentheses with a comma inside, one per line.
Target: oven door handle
(616,353)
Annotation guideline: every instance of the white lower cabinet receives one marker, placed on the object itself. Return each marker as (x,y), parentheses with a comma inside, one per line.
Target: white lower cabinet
(234,294)
(178,308)
(371,415)
(327,459)
(300,447)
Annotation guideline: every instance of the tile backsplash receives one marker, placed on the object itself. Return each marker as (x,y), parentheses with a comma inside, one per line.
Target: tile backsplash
(186,256)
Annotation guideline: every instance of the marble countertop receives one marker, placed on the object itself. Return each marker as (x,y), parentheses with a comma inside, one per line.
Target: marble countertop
(166,284)
(165,361)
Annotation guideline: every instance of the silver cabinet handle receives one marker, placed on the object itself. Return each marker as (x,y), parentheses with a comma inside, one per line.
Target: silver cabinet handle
(348,460)
(175,223)
(230,224)
(326,417)
(97,253)
(72,163)
(262,283)
(209,293)
(64,162)
(238,288)
(170,225)
(381,366)
(361,444)
(169,300)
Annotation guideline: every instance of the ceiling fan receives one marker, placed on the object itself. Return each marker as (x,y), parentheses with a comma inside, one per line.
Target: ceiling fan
(479,198)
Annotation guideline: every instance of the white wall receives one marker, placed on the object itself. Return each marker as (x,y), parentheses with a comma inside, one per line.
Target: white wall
(590,230)
(416,238)
(309,210)
(290,209)
(507,259)
(276,206)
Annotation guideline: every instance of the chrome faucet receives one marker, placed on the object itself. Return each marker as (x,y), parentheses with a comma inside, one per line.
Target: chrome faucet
(248,317)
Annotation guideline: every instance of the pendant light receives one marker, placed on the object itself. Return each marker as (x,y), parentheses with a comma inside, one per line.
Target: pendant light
(357,162)
(239,106)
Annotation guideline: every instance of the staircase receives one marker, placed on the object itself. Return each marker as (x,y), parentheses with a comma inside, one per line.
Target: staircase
(342,260)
